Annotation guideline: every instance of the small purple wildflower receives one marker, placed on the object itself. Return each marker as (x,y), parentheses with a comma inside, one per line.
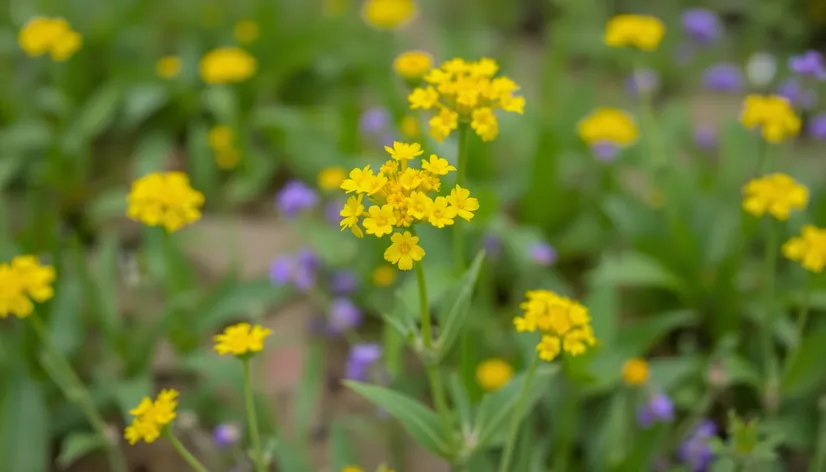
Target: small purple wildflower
(658,408)
(360,359)
(542,254)
(808,64)
(605,151)
(300,269)
(799,96)
(705,137)
(344,315)
(695,450)
(492,245)
(701,25)
(388,138)
(294,198)
(723,78)
(642,81)
(374,121)
(281,270)
(225,435)
(343,282)
(817,127)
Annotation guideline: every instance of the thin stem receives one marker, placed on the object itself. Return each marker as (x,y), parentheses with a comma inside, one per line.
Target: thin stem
(517,416)
(424,308)
(76,392)
(818,463)
(461,172)
(769,355)
(802,318)
(252,420)
(184,452)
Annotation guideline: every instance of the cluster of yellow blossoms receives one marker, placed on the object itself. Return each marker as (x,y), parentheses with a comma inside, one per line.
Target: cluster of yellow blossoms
(227,65)
(400,194)
(164,199)
(151,417)
(460,92)
(241,339)
(809,248)
(21,281)
(41,35)
(608,126)
(413,65)
(564,324)
(640,31)
(222,142)
(493,374)
(776,194)
(635,371)
(773,115)
(388,14)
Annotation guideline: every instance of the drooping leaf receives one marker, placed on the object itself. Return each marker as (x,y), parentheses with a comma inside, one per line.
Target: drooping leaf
(453,323)
(76,446)
(24,425)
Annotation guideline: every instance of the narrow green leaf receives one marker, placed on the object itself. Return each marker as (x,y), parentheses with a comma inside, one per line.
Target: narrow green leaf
(461,400)
(342,452)
(238,299)
(290,457)
(454,321)
(222,103)
(106,277)
(309,390)
(141,101)
(97,114)
(635,337)
(66,328)
(805,371)
(632,269)
(152,152)
(76,446)
(24,425)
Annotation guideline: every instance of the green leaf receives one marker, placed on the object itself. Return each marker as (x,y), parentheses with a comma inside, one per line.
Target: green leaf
(453,323)
(222,103)
(141,101)
(238,299)
(342,452)
(97,114)
(632,269)
(419,421)
(309,390)
(130,392)
(19,138)
(636,337)
(152,152)
(24,425)
(461,400)
(289,457)
(10,166)
(76,446)
(805,371)
(106,277)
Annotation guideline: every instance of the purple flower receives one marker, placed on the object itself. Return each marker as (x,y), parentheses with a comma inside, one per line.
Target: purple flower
(658,408)
(332,212)
(344,315)
(705,137)
(542,254)
(294,198)
(810,64)
(800,97)
(492,245)
(695,451)
(817,127)
(701,25)
(360,359)
(643,81)
(605,150)
(300,270)
(374,120)
(225,435)
(724,78)
(343,282)
(281,270)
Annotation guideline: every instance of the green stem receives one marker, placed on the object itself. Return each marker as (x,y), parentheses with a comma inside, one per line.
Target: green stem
(767,331)
(182,450)
(76,392)
(818,463)
(802,318)
(252,420)
(461,173)
(517,416)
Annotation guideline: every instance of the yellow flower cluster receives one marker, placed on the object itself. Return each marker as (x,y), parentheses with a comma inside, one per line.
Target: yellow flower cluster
(246,31)
(809,248)
(388,14)
(151,417)
(164,199)
(241,339)
(640,31)
(774,116)
(21,281)
(635,371)
(776,194)
(168,67)
(400,197)
(41,35)
(413,65)
(222,142)
(608,125)
(227,65)
(330,178)
(460,92)
(493,374)
(564,324)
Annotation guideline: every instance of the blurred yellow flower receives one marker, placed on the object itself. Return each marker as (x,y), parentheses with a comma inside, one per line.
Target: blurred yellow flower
(776,194)
(335,8)
(809,248)
(220,137)
(227,158)
(410,127)
(388,14)
(774,116)
(330,178)
(241,339)
(352,468)
(413,65)
(168,67)
(493,374)
(41,35)
(564,324)
(608,125)
(246,31)
(164,199)
(640,31)
(635,371)
(227,65)
(152,417)
(384,275)
(22,281)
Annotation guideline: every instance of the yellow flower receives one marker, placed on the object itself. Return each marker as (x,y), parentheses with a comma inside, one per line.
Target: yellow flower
(151,417)
(388,14)
(635,371)
(380,220)
(246,31)
(22,281)
(384,276)
(227,158)
(352,468)
(485,124)
(776,194)
(168,67)
(464,204)
(640,31)
(773,115)
(410,127)
(331,178)
(41,35)
(608,126)
(493,374)
(241,339)
(220,137)
(403,151)
(424,98)
(443,123)
(437,165)
(350,214)
(227,65)
(404,251)
(164,199)
(440,214)
(564,324)
(809,248)
(413,65)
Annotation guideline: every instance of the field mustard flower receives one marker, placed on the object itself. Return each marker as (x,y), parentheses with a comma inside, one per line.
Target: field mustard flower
(227,65)
(383,276)
(241,339)
(246,31)
(774,116)
(151,417)
(635,371)
(331,178)
(164,199)
(413,65)
(388,14)
(41,35)
(168,67)
(640,31)
(410,127)
(564,324)
(22,281)
(776,194)
(606,130)
(809,248)
(399,196)
(493,374)
(466,92)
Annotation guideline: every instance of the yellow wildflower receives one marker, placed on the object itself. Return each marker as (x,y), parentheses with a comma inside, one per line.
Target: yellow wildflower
(403,151)
(164,199)
(246,31)
(809,248)
(41,35)
(410,127)
(350,214)
(241,339)
(388,14)
(22,281)
(776,194)
(640,31)
(220,137)
(440,214)
(564,324)
(464,204)
(437,165)
(380,220)
(168,67)
(413,65)
(227,158)
(331,178)
(493,374)
(151,417)
(610,126)
(227,65)
(404,250)
(635,371)
(773,115)
(352,468)
(383,276)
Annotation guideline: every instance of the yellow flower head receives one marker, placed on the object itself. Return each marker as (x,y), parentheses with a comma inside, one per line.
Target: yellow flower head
(384,276)
(168,67)
(151,417)
(809,248)
(54,36)
(221,137)
(776,194)
(608,126)
(22,281)
(164,199)
(410,127)
(227,65)
(413,65)
(246,31)
(388,14)
(227,158)
(466,92)
(241,339)
(331,178)
(493,374)
(640,31)
(564,324)
(773,115)
(635,371)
